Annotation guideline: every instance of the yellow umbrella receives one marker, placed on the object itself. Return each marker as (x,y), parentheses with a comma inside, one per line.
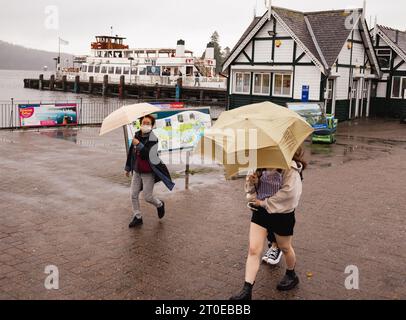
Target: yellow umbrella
(262,135)
(126,115)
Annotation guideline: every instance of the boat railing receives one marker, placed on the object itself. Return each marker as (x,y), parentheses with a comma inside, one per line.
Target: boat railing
(187,81)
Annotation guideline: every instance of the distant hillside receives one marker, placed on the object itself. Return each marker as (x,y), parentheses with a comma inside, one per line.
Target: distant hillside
(15,57)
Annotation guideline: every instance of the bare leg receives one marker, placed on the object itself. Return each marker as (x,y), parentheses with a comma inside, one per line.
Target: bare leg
(257,239)
(285,244)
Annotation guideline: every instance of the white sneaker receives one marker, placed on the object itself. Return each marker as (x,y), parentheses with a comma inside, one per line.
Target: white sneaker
(275,256)
(267,255)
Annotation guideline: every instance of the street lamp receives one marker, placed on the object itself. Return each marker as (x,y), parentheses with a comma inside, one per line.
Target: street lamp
(131,66)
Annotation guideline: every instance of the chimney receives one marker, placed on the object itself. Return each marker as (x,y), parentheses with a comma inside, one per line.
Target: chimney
(180,48)
(210,51)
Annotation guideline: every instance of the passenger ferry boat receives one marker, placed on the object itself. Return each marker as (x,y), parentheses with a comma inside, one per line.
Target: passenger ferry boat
(148,66)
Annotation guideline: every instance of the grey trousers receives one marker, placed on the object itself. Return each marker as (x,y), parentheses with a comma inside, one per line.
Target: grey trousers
(146,181)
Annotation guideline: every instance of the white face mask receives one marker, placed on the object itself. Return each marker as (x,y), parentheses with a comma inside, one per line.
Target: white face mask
(146,128)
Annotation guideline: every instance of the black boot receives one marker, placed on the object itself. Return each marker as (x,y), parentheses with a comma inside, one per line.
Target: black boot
(135,222)
(289,281)
(161,211)
(245,294)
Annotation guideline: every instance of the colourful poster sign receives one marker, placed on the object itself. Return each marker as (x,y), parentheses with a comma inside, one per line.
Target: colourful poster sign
(177,129)
(48,115)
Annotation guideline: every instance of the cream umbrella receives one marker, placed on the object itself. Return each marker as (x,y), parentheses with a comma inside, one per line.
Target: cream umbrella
(126,115)
(262,135)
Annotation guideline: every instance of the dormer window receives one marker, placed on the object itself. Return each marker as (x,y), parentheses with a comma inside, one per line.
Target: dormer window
(384,58)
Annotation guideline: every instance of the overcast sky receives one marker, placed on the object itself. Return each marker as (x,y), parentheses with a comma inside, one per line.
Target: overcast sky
(156,23)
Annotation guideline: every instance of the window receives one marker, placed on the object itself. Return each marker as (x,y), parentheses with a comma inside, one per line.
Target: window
(134,71)
(399,88)
(97,69)
(111,70)
(384,58)
(143,71)
(126,70)
(262,83)
(84,68)
(90,70)
(242,82)
(282,85)
(118,70)
(104,69)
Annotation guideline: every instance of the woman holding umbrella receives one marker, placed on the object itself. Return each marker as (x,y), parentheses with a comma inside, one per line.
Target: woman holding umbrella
(147,169)
(274,214)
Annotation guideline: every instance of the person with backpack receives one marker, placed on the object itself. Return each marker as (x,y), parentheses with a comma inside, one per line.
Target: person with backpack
(275,214)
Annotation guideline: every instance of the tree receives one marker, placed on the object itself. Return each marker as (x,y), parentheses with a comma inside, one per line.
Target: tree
(215,40)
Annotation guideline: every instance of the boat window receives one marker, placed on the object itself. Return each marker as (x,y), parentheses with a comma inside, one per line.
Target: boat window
(103,69)
(90,70)
(126,70)
(111,70)
(84,68)
(118,70)
(96,69)
(134,71)
(189,71)
(143,71)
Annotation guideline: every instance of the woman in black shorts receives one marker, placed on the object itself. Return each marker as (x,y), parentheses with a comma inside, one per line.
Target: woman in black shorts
(275,214)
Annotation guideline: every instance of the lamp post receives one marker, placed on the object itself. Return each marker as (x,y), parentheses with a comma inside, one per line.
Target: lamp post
(131,59)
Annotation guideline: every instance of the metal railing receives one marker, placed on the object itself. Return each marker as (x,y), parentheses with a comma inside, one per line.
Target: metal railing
(88,112)
(188,81)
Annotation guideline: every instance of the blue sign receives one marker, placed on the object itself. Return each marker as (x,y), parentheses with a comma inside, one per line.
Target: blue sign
(305,93)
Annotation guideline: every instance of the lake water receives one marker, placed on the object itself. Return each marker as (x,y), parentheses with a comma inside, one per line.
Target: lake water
(12,86)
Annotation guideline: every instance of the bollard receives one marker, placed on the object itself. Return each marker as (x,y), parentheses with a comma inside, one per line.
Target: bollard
(76,88)
(41,82)
(52,83)
(121,88)
(201,97)
(91,84)
(64,83)
(105,85)
(157,92)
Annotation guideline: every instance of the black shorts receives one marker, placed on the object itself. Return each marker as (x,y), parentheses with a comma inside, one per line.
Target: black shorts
(281,224)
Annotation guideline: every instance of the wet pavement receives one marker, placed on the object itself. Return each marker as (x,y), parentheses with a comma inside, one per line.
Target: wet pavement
(64,201)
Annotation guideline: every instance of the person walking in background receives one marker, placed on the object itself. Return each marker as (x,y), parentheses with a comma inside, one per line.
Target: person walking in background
(147,169)
(197,79)
(276,215)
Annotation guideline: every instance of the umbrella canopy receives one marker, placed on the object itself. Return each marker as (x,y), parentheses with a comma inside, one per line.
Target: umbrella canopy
(262,135)
(126,115)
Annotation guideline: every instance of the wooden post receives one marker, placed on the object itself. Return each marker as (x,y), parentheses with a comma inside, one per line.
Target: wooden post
(76,88)
(105,85)
(41,82)
(121,88)
(91,84)
(127,148)
(201,97)
(52,83)
(157,92)
(187,171)
(64,83)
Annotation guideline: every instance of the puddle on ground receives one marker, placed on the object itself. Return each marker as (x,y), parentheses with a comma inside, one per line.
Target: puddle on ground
(348,148)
